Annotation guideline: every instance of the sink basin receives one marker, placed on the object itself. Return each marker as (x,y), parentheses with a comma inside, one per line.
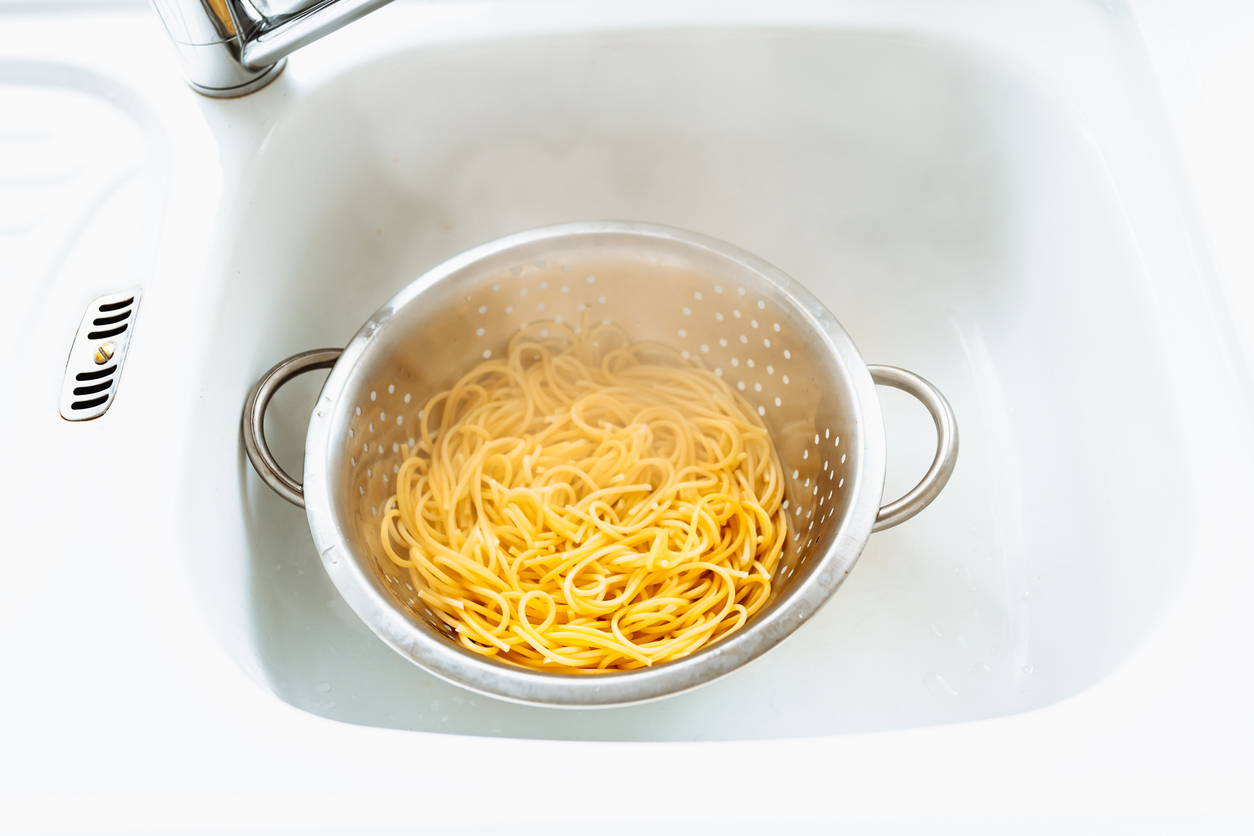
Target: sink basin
(955,216)
(990,195)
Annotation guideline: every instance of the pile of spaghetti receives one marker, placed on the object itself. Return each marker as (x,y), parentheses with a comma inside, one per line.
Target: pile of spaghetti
(588,504)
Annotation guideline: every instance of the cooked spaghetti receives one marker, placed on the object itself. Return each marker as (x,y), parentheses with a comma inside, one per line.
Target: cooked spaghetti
(588,504)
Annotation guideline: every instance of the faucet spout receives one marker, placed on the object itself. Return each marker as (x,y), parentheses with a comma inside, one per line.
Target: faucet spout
(231,48)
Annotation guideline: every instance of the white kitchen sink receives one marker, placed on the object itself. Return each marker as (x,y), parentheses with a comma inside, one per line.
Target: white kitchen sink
(951,213)
(988,194)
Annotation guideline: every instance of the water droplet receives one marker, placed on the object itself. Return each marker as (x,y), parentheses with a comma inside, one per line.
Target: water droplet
(1029,668)
(981,669)
(1027,596)
(322,687)
(939,688)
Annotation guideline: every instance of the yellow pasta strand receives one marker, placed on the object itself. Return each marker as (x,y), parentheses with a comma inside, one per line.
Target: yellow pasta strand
(587,504)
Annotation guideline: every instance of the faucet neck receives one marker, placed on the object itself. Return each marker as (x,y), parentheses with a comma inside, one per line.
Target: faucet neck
(231,48)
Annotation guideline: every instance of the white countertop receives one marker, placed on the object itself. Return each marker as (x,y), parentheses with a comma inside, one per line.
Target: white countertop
(120,708)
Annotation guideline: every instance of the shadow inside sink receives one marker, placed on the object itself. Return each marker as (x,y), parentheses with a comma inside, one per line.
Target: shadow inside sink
(952,217)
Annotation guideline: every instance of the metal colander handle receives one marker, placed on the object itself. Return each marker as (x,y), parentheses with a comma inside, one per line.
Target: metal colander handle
(894,513)
(937,476)
(253,421)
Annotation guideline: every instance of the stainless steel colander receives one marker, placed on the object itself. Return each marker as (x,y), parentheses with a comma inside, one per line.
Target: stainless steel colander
(750,323)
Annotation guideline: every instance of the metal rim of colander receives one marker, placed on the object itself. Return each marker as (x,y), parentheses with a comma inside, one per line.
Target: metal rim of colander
(436,654)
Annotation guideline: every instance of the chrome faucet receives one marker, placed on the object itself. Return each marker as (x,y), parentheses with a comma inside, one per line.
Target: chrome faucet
(232,47)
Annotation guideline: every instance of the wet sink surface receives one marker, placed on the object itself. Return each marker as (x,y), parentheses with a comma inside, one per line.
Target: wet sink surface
(955,218)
